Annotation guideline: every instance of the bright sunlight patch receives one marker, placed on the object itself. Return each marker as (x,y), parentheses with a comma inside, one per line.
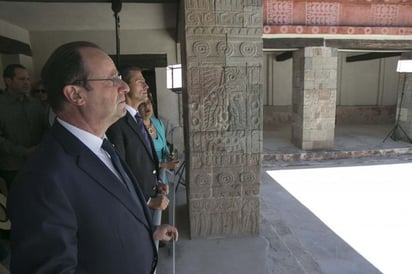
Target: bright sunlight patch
(370,207)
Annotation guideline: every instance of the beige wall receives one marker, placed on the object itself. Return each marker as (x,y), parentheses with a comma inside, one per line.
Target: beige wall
(372,82)
(14,32)
(17,33)
(131,42)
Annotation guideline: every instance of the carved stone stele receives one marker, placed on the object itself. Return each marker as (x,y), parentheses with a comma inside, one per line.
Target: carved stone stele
(222,54)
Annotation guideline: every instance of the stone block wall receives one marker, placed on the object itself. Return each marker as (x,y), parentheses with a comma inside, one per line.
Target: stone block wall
(314,97)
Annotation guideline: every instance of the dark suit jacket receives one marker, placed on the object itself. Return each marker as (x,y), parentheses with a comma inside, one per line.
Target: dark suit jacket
(71,214)
(127,137)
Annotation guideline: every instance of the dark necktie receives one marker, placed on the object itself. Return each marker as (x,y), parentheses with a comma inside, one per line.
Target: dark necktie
(108,147)
(140,123)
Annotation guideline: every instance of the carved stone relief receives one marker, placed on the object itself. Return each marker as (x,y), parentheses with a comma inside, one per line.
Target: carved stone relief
(223,54)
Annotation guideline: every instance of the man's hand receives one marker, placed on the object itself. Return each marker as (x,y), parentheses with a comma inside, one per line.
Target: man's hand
(170,164)
(160,202)
(162,188)
(166,233)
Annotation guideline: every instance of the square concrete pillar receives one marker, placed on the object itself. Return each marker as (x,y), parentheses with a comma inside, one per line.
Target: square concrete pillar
(314,97)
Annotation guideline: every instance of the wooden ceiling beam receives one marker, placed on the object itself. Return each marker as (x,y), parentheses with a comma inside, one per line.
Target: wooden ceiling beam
(289,43)
(284,56)
(365,44)
(351,44)
(371,56)
(11,46)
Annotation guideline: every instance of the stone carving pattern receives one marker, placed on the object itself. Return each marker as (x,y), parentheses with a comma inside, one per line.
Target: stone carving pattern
(218,112)
(224,18)
(224,49)
(215,110)
(254,98)
(225,185)
(209,81)
(250,182)
(199,4)
(221,97)
(214,50)
(249,217)
(279,12)
(220,31)
(385,14)
(236,87)
(225,142)
(321,13)
(201,186)
(201,49)
(237,111)
(224,215)
(203,160)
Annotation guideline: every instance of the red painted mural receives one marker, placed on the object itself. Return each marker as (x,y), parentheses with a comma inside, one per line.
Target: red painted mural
(353,17)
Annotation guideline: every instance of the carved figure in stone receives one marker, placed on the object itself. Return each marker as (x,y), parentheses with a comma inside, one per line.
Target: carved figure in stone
(215,114)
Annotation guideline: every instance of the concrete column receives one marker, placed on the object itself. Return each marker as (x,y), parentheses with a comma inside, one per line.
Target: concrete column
(314,97)
(222,55)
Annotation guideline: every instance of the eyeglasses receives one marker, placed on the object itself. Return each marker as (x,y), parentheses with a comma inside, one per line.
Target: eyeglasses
(117,79)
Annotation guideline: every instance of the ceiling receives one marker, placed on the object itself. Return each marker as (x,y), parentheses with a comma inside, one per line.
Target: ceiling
(88,15)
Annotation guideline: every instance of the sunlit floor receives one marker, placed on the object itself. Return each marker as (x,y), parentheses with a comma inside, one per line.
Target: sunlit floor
(369,207)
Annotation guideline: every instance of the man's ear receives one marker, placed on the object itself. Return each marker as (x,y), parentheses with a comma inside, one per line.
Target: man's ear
(7,81)
(73,94)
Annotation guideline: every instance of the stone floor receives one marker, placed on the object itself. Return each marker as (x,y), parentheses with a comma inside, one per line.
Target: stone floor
(292,240)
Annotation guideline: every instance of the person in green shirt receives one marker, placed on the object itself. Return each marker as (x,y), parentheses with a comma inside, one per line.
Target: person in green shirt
(22,122)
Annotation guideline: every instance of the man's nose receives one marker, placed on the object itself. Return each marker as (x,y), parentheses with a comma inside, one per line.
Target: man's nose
(124,87)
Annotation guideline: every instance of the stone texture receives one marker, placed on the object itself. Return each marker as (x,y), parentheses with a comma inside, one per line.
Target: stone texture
(223,56)
(314,97)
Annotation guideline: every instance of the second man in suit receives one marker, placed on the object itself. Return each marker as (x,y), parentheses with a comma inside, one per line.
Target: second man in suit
(133,142)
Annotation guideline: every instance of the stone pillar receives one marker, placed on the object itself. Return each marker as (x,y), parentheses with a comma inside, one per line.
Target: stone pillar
(314,97)
(222,54)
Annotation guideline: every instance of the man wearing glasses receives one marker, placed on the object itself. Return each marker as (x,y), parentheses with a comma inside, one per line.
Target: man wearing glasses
(76,207)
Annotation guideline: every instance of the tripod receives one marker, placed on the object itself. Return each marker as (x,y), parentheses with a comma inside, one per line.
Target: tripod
(392,133)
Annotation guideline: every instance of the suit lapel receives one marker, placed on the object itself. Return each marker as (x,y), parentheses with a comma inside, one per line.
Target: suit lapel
(133,124)
(100,173)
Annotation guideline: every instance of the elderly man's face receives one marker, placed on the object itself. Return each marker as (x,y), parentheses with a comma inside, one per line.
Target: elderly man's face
(105,99)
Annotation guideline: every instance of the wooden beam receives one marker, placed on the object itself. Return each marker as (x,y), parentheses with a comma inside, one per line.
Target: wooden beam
(11,46)
(284,56)
(371,56)
(286,43)
(369,44)
(144,61)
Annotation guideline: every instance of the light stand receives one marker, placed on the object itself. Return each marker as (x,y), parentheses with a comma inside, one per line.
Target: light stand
(403,66)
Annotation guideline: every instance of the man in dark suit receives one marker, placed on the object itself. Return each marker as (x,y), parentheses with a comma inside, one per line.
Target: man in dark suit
(137,149)
(72,208)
